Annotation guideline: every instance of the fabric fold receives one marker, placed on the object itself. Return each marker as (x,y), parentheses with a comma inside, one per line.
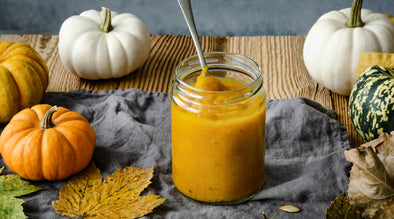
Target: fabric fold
(305,164)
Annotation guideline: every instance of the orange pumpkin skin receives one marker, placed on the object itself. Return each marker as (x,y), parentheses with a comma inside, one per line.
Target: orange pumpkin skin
(23,78)
(53,153)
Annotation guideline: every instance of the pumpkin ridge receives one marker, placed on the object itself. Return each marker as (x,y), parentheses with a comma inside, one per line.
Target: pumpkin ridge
(64,116)
(40,110)
(16,49)
(69,144)
(371,19)
(75,53)
(18,146)
(125,56)
(51,136)
(9,103)
(376,39)
(337,22)
(3,48)
(6,137)
(38,68)
(105,50)
(37,171)
(377,35)
(82,130)
(9,48)
(67,123)
(30,91)
(78,127)
(343,14)
(44,68)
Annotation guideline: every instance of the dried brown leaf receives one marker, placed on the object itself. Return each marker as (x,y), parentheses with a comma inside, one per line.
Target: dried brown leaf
(387,211)
(372,175)
(340,208)
(87,195)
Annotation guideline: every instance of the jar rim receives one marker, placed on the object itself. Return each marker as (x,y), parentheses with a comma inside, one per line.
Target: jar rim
(257,80)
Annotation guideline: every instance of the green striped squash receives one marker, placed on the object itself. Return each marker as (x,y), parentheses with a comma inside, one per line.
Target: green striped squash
(371,102)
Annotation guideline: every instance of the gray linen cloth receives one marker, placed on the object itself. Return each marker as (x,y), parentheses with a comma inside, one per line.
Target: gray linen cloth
(305,163)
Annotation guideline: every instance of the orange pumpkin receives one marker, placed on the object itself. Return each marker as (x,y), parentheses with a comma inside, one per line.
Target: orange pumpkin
(23,78)
(47,143)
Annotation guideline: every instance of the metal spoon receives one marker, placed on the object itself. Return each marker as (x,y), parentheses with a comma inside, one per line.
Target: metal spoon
(188,14)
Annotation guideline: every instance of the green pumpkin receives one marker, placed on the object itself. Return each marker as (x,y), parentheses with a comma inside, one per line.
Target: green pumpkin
(371,102)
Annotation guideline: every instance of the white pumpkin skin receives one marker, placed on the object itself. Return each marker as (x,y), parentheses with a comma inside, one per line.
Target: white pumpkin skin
(90,53)
(331,49)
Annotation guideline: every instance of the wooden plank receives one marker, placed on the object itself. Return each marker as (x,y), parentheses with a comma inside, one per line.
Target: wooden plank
(280,57)
(341,107)
(12,38)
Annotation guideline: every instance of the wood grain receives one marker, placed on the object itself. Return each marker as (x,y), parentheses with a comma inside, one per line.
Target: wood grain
(280,57)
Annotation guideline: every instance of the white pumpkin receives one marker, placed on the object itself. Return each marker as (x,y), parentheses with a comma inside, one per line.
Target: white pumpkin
(97,45)
(333,46)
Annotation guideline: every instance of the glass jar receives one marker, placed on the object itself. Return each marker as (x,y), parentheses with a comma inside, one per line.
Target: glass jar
(218,137)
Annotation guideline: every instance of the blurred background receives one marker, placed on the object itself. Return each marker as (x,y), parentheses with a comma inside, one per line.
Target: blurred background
(212,17)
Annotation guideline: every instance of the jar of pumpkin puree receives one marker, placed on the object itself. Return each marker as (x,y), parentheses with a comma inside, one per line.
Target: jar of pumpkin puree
(218,135)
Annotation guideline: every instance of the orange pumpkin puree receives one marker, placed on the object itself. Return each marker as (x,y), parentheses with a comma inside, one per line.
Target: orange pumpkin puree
(209,82)
(218,153)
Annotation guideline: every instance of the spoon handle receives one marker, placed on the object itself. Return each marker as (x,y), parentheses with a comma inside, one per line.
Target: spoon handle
(188,14)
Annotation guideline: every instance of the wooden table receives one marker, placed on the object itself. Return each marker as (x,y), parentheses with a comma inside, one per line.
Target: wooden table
(280,57)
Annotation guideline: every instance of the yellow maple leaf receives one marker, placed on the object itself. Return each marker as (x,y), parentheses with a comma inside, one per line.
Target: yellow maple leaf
(87,195)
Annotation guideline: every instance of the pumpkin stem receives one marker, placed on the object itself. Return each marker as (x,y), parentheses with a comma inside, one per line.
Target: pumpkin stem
(105,25)
(355,15)
(46,122)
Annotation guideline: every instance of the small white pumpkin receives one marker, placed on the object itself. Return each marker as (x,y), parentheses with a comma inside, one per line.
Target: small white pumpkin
(334,43)
(96,45)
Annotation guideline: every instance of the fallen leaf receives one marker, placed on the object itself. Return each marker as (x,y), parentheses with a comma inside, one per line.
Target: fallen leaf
(387,211)
(371,183)
(11,207)
(12,186)
(87,195)
(341,208)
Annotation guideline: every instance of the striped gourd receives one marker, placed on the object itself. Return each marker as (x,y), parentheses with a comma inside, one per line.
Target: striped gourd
(371,103)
